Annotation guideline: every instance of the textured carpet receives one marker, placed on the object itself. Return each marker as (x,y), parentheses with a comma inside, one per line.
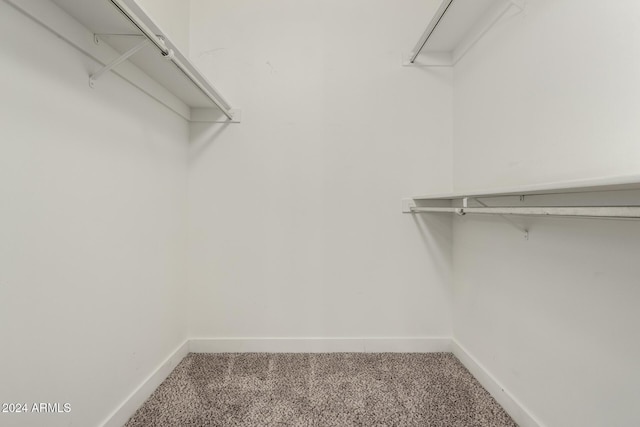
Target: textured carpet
(334,389)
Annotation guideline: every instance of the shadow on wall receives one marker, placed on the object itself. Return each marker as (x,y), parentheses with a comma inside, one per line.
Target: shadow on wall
(437,72)
(202,136)
(436,234)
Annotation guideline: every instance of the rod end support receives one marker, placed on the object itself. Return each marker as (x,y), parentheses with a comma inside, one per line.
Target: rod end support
(408,205)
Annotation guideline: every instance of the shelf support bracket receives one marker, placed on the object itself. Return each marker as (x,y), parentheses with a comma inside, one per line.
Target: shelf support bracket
(95,76)
(465,204)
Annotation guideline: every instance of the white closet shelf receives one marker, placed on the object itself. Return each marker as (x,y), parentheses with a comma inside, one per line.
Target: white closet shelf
(618,198)
(123,39)
(455,28)
(623,182)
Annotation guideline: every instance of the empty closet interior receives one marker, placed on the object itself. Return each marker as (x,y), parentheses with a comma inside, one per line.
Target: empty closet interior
(316,185)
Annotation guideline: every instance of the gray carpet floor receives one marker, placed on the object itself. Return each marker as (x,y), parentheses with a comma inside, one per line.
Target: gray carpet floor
(331,389)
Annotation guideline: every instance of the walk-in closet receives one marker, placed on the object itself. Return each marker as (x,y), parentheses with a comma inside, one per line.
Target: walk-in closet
(319,213)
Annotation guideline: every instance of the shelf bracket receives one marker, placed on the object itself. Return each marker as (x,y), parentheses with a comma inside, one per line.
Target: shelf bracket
(95,76)
(465,204)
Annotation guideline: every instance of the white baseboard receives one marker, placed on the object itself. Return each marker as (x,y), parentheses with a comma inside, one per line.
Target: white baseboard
(320,345)
(131,404)
(518,412)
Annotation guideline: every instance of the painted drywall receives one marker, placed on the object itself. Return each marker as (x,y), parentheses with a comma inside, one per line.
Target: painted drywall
(92,230)
(552,94)
(173,17)
(295,227)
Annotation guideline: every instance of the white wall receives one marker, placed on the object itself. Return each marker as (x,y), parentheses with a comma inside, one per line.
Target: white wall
(92,211)
(173,17)
(549,95)
(295,224)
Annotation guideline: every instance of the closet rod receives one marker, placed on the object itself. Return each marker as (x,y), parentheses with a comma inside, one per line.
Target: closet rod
(216,98)
(430,29)
(604,212)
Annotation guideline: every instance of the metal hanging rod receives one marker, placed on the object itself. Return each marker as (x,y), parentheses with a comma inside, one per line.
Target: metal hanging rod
(603,212)
(141,26)
(613,198)
(216,98)
(123,35)
(430,29)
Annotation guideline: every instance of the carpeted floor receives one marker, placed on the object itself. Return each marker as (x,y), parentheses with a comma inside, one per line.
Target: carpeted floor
(332,389)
